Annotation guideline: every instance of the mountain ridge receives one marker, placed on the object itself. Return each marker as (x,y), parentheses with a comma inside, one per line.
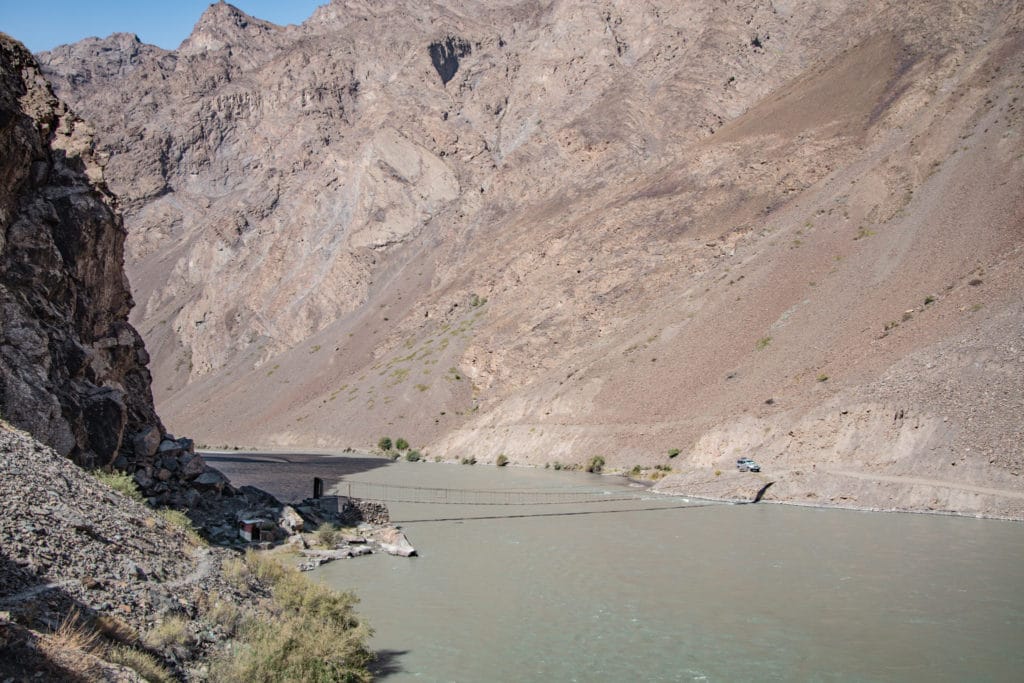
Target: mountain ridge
(610,230)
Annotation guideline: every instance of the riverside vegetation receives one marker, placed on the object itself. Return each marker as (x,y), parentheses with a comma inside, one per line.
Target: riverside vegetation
(107,584)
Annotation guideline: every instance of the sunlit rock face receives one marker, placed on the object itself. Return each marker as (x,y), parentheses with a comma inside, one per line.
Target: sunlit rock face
(565,229)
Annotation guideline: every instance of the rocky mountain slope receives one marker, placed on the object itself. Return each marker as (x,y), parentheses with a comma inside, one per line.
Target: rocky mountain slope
(72,369)
(553,230)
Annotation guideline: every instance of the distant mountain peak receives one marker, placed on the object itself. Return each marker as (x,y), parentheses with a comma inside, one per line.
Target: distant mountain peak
(223,26)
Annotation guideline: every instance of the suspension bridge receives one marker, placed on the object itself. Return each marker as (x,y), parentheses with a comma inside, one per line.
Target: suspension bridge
(394,493)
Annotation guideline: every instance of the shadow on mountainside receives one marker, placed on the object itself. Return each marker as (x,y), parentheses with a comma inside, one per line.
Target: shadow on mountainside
(289,476)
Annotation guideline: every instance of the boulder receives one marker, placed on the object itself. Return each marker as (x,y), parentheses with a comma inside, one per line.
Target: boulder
(394,542)
(221,533)
(143,479)
(194,467)
(104,416)
(192,498)
(291,520)
(169,449)
(146,442)
(258,497)
(210,480)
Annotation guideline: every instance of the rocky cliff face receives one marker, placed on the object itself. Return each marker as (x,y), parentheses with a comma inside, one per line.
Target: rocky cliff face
(554,230)
(72,369)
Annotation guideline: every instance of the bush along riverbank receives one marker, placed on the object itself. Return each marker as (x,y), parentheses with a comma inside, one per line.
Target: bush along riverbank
(97,585)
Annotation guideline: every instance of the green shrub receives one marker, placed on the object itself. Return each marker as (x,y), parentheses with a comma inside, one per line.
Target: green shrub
(822,377)
(179,520)
(384,444)
(402,445)
(327,535)
(558,465)
(636,471)
(413,456)
(471,460)
(763,343)
(673,452)
(596,464)
(929,300)
(501,461)
(120,482)
(314,635)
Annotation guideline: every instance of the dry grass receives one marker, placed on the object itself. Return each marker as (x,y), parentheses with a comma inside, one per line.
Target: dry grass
(264,568)
(72,647)
(173,630)
(142,663)
(223,613)
(74,634)
(235,572)
(76,648)
(116,629)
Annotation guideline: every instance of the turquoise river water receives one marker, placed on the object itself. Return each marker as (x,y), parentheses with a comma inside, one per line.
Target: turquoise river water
(664,589)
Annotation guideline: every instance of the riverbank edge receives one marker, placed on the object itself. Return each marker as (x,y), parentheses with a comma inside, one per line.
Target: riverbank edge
(827,506)
(651,486)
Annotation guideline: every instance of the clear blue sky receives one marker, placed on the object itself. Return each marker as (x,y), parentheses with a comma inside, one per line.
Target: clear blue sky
(45,24)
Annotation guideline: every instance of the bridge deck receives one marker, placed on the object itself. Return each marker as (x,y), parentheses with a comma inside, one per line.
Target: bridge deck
(393,493)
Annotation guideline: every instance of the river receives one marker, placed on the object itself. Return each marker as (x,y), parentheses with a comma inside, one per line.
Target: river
(664,589)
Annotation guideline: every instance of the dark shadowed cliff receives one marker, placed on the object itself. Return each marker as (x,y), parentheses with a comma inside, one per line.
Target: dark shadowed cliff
(72,369)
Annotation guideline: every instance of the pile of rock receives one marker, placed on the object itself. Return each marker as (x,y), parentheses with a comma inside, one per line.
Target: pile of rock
(168,471)
(71,545)
(368,539)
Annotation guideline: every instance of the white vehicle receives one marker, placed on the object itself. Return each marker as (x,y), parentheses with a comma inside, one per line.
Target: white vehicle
(747,465)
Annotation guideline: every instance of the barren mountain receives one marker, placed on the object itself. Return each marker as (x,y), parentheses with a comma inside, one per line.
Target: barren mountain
(790,230)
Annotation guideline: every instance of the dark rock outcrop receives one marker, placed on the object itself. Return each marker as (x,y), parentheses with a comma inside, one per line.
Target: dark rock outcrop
(445,54)
(72,369)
